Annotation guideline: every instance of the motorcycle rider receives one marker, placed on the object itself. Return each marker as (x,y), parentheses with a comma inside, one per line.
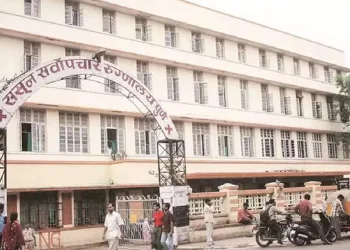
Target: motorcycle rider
(304,209)
(273,212)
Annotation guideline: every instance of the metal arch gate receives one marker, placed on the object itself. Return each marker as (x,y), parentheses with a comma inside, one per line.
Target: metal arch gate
(136,212)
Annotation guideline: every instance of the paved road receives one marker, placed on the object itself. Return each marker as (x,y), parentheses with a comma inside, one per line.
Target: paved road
(341,245)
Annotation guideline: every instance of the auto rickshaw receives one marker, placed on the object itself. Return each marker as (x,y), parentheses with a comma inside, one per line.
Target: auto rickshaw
(345,218)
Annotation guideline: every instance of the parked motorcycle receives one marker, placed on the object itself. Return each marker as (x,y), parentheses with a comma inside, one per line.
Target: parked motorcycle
(304,233)
(265,236)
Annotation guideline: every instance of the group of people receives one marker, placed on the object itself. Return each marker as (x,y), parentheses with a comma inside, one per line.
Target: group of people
(304,209)
(12,237)
(163,228)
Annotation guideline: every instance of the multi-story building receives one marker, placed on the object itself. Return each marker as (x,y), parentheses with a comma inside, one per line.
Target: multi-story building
(253,104)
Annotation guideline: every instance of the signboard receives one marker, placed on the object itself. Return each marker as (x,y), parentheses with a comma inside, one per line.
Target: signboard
(19,90)
(343,183)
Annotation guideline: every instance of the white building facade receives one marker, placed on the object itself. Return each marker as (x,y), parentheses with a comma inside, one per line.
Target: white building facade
(250,102)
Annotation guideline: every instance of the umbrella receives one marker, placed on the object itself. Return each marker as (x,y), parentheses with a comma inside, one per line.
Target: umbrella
(333,196)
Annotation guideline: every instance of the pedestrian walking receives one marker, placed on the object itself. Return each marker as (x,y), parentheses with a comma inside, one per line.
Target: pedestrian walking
(29,237)
(114,228)
(146,231)
(168,228)
(12,235)
(157,226)
(209,221)
(337,210)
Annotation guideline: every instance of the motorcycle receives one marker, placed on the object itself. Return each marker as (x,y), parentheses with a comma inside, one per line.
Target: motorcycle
(265,236)
(304,233)
(344,223)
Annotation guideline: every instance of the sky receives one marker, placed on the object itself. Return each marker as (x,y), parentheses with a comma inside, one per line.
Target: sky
(323,21)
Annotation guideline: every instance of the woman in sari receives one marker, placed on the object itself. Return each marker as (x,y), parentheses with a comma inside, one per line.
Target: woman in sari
(12,236)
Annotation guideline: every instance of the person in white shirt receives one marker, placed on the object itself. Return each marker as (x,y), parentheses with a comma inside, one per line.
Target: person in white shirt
(29,237)
(114,228)
(209,221)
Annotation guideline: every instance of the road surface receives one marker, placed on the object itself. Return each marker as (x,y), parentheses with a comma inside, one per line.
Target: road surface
(341,245)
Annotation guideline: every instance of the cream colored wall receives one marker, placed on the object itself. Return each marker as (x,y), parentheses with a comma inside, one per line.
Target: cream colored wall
(137,173)
(234,27)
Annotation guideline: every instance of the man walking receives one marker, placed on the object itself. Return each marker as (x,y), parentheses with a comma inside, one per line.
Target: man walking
(304,209)
(337,210)
(168,228)
(114,228)
(209,221)
(157,226)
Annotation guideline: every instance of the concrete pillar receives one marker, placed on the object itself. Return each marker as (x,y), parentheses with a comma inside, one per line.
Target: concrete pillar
(231,200)
(278,193)
(316,196)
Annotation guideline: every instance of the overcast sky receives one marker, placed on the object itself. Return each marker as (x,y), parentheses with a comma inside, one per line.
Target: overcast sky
(322,21)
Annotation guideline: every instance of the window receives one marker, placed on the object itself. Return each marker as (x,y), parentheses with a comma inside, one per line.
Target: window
(316,107)
(267,99)
(143,30)
(171,37)
(247,141)
(181,131)
(222,91)
(31,55)
(89,207)
(339,73)
(220,48)
(200,88)
(143,74)
(32,8)
(296,66)
(225,140)
(39,209)
(73,81)
(244,94)
(332,146)
(110,86)
(313,71)
(197,43)
(317,145)
(328,75)
(302,144)
(74,15)
(172,83)
(73,132)
(280,62)
(180,128)
(241,53)
(201,139)
(145,138)
(299,97)
(285,102)
(108,19)
(267,142)
(32,124)
(331,109)
(264,59)
(288,147)
(112,134)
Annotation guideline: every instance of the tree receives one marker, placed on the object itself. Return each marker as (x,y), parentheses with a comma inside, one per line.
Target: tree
(343,83)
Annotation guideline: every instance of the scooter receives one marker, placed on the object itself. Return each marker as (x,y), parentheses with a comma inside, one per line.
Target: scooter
(304,233)
(265,236)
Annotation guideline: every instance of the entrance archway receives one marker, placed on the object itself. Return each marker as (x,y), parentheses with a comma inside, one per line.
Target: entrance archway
(171,153)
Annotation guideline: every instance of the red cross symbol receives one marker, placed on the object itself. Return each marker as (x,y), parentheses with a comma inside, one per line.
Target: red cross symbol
(169,129)
(2,116)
